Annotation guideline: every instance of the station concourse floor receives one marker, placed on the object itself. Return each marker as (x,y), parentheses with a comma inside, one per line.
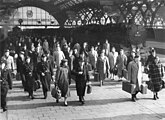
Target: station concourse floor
(108,102)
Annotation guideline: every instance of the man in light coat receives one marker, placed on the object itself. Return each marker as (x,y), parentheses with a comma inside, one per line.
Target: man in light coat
(135,75)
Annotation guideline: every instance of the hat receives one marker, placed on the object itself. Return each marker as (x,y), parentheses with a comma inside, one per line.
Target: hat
(22,52)
(137,56)
(64,60)
(43,55)
(7,50)
(47,52)
(133,51)
(28,57)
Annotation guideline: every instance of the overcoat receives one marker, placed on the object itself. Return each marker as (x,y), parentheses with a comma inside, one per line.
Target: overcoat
(135,74)
(28,72)
(102,67)
(156,74)
(81,79)
(121,64)
(63,80)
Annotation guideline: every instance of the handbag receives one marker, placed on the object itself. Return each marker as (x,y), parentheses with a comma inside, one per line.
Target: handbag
(37,85)
(163,84)
(115,70)
(149,84)
(89,89)
(56,93)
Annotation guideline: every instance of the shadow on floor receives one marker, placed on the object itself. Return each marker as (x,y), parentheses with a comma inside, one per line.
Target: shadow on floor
(132,117)
(70,103)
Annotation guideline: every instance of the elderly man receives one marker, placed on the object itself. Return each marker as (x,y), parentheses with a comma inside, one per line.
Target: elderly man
(9,67)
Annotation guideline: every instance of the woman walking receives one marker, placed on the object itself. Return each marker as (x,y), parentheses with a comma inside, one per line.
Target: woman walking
(63,80)
(155,75)
(82,76)
(44,70)
(28,70)
(102,66)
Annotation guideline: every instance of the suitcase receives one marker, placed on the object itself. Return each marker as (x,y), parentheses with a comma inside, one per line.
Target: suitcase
(144,88)
(128,87)
(96,76)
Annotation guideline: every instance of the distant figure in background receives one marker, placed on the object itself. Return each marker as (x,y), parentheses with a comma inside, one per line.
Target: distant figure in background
(58,55)
(102,66)
(112,57)
(93,58)
(106,46)
(70,60)
(45,46)
(156,73)
(121,63)
(9,67)
(25,50)
(135,76)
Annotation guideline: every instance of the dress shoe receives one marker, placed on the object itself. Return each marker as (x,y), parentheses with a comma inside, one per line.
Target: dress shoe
(155,98)
(5,109)
(133,99)
(65,104)
(136,98)
(45,95)
(57,101)
(80,99)
(82,102)
(32,97)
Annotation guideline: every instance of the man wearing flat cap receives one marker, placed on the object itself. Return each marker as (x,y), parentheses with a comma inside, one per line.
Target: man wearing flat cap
(9,66)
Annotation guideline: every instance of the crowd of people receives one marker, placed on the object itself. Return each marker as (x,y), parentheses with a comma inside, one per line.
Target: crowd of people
(37,59)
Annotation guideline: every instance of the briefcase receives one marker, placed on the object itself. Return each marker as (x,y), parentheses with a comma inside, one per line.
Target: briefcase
(144,88)
(128,87)
(96,76)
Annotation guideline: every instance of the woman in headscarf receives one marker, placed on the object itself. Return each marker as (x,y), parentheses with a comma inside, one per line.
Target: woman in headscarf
(63,80)
(155,75)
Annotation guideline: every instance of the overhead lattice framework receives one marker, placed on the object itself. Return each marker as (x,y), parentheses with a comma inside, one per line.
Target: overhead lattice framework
(85,12)
(141,12)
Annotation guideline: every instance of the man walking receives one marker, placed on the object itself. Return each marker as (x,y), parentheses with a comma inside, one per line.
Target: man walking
(135,75)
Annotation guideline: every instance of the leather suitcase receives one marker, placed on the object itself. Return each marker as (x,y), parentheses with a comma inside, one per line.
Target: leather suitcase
(144,88)
(96,76)
(128,87)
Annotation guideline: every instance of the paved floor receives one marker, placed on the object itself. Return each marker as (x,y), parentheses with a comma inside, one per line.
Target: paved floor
(105,103)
